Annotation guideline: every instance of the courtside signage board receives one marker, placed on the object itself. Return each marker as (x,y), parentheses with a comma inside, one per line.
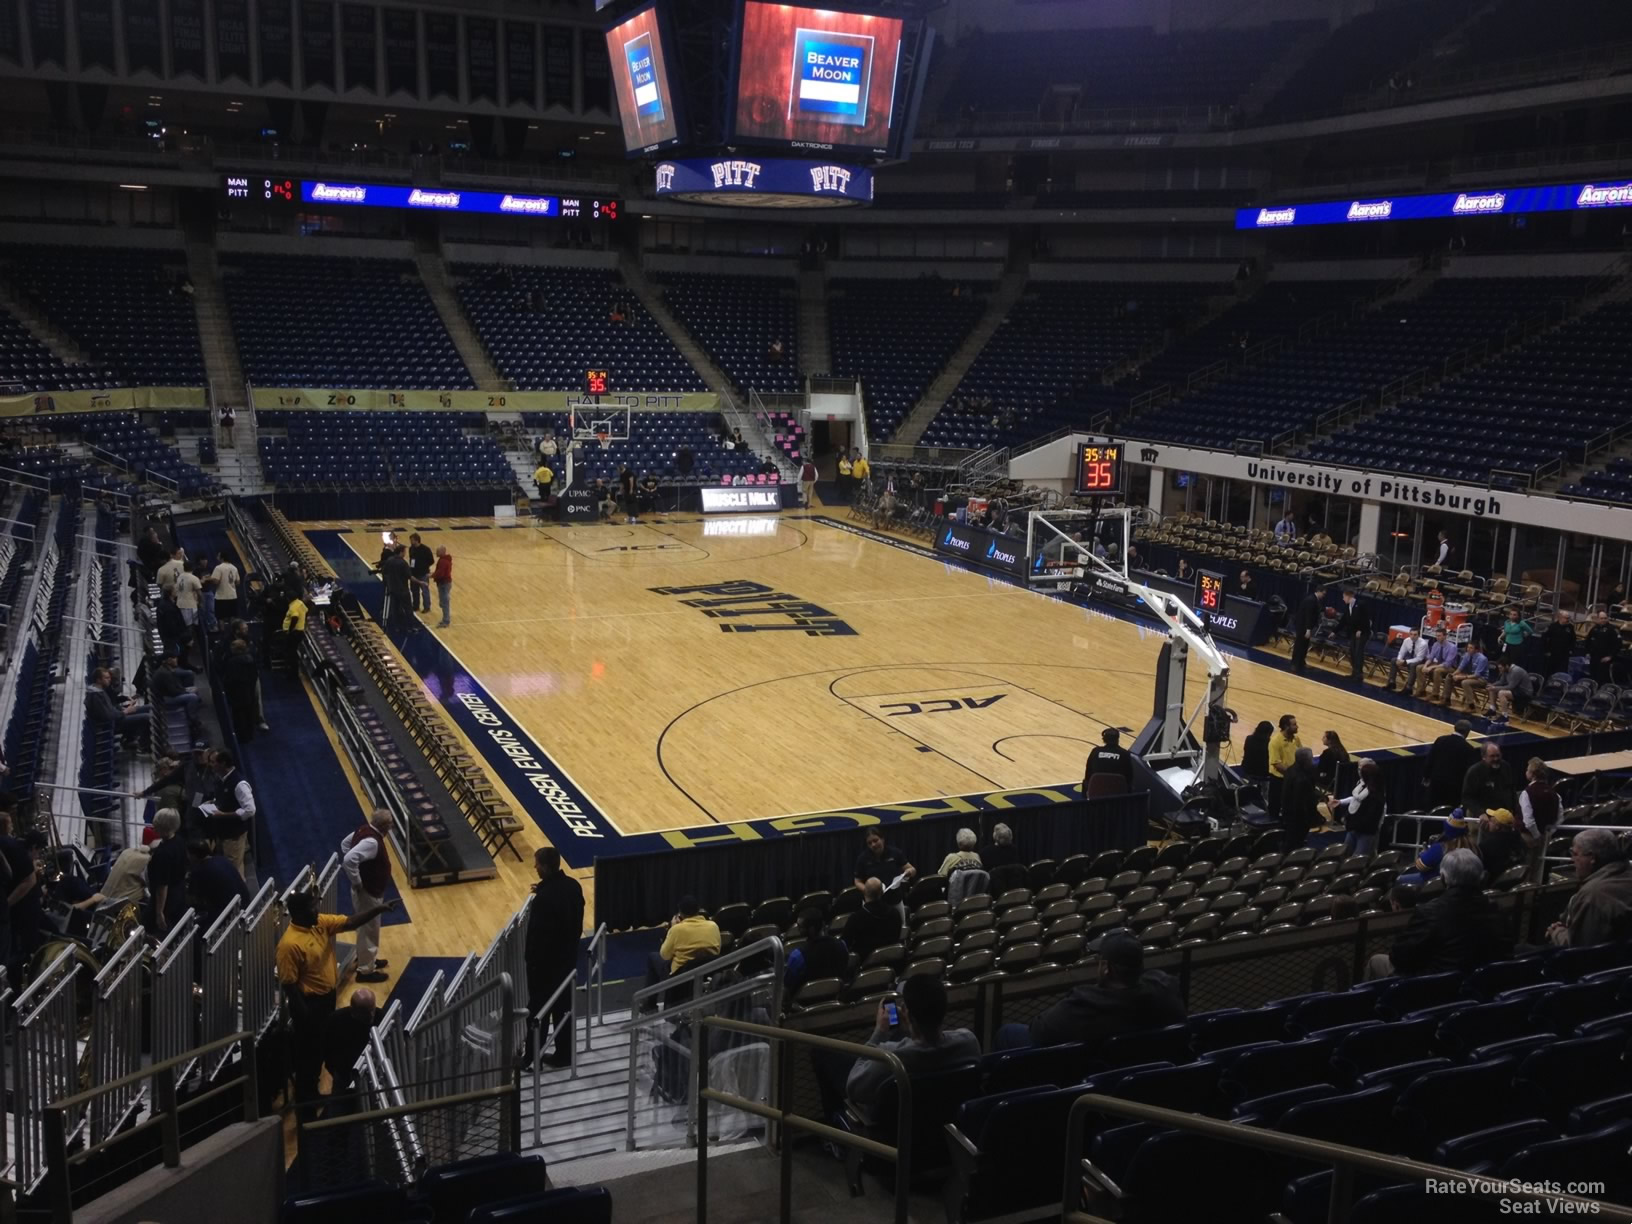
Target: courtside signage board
(978,546)
(816,78)
(719,500)
(1487,202)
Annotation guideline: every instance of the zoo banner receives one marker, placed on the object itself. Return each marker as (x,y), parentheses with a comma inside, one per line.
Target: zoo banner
(125,399)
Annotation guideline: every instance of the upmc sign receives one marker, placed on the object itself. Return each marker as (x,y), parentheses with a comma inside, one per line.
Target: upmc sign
(982,547)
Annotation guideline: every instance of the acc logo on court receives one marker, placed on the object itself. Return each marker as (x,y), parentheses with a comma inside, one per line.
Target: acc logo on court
(940,705)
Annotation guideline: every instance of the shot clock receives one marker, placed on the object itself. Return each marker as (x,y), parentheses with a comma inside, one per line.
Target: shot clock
(1099,469)
(595,382)
(1209,591)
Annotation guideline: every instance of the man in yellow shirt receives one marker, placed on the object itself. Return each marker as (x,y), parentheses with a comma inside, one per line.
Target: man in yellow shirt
(294,629)
(845,483)
(309,974)
(860,469)
(692,934)
(1283,751)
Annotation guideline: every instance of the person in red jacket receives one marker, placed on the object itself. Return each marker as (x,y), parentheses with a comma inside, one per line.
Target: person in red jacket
(807,483)
(442,576)
(368,866)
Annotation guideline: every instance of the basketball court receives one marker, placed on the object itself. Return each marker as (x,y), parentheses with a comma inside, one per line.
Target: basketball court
(683,672)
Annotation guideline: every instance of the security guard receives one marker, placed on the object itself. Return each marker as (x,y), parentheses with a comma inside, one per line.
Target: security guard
(1109,758)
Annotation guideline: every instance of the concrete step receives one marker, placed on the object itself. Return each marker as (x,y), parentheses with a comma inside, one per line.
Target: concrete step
(433,272)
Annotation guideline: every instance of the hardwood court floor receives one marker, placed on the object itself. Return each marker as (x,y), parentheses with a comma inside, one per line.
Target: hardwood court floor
(907,678)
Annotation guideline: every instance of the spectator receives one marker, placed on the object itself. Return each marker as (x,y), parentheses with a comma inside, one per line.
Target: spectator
(1185,573)
(1449,758)
(230,814)
(309,973)
(1558,643)
(628,492)
(172,688)
(1122,999)
(877,924)
(1455,834)
(924,1046)
(1283,750)
(104,707)
(738,442)
(1443,657)
(368,866)
(1603,647)
(172,569)
(1513,632)
(345,1037)
(1333,757)
(1255,750)
(964,857)
(1601,909)
(167,873)
(442,575)
(1539,810)
(1442,557)
(1413,653)
(398,578)
(1511,693)
(1245,587)
(882,860)
(1363,810)
(1002,852)
(227,579)
(173,631)
(419,569)
(807,482)
(544,477)
(1500,845)
(547,447)
(1455,931)
(1488,784)
(189,591)
(647,494)
(212,883)
(240,678)
(1469,680)
(152,553)
(555,924)
(606,501)
(1300,799)
(692,934)
(294,632)
(821,955)
(1109,770)
(1354,628)
(127,878)
(1286,531)
(1306,617)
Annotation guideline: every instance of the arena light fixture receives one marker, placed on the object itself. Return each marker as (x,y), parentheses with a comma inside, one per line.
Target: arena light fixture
(132,186)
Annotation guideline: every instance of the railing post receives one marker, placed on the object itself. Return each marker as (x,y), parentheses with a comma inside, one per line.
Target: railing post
(699,1081)
(164,1103)
(784,1092)
(252,1078)
(57,1182)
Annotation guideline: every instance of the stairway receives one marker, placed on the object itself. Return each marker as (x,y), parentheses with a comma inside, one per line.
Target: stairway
(59,342)
(634,276)
(433,272)
(1003,300)
(237,467)
(815,348)
(215,338)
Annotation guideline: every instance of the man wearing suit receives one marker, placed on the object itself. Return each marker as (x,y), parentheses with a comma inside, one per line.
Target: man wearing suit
(555,924)
(1449,759)
(1355,630)
(1306,618)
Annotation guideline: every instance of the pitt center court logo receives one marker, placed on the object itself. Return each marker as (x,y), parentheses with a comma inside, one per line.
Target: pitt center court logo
(753,607)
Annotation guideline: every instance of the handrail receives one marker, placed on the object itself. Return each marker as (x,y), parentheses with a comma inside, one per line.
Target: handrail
(90,1094)
(1343,1159)
(699,1001)
(596,977)
(783,1116)
(398,1111)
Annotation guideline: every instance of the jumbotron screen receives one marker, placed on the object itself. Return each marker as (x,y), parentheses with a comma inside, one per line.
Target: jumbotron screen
(816,78)
(640,75)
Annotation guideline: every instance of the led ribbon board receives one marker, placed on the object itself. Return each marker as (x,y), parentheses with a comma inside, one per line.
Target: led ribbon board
(1490,202)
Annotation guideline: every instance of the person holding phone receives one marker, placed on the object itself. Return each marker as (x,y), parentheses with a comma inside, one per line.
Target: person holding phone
(910,1027)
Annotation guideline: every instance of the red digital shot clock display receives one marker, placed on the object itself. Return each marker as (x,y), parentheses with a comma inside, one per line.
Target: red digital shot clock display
(594,382)
(1210,591)
(1099,469)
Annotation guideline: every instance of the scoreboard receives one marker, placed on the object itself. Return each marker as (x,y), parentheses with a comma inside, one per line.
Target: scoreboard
(1099,469)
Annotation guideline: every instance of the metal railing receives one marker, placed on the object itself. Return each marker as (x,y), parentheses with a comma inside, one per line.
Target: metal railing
(1345,1162)
(173,1014)
(60,1125)
(223,954)
(643,1027)
(46,1065)
(116,1038)
(787,1121)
